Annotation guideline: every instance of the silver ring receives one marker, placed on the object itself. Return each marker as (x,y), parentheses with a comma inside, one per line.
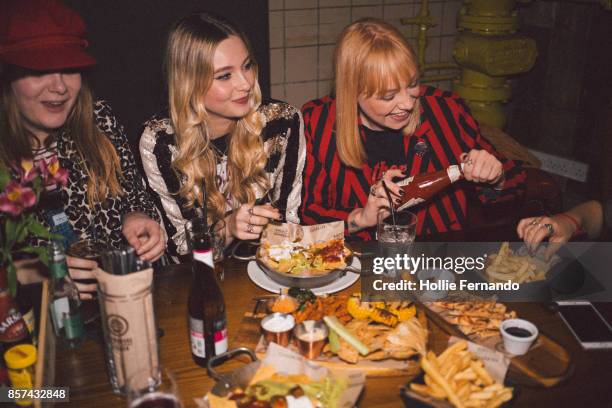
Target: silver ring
(249,228)
(533,222)
(250,211)
(550,229)
(373,190)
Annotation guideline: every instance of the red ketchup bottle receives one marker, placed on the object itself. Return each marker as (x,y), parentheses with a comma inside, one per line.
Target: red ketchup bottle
(422,187)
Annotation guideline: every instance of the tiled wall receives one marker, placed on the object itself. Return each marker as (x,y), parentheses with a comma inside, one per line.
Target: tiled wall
(303,34)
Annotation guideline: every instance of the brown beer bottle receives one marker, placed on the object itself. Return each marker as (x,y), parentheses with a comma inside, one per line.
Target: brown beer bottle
(206,308)
(422,187)
(13,329)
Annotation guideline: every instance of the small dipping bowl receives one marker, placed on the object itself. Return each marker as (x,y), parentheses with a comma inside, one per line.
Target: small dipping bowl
(310,336)
(282,304)
(277,328)
(518,335)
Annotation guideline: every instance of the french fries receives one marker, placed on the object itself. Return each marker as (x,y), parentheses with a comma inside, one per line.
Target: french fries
(459,376)
(506,265)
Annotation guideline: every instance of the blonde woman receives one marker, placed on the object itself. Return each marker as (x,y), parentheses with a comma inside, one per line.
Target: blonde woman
(381,125)
(48,113)
(217,133)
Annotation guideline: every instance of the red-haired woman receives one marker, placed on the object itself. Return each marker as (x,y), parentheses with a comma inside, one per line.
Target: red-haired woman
(381,125)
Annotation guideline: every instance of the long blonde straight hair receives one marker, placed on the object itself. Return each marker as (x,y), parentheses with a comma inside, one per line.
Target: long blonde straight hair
(189,65)
(371,57)
(98,156)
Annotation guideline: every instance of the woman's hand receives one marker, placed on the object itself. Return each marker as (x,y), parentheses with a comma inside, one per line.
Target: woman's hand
(145,235)
(248,221)
(534,230)
(80,268)
(377,201)
(482,167)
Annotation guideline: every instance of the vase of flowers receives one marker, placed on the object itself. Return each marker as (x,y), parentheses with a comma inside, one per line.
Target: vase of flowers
(20,189)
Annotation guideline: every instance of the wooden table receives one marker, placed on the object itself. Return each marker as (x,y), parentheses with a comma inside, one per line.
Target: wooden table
(84,371)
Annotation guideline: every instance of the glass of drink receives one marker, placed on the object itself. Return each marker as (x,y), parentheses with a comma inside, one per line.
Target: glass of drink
(395,238)
(155,389)
(90,249)
(197,229)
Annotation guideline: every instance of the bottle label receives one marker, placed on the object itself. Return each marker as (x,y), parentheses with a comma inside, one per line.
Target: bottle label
(12,327)
(205,256)
(220,336)
(30,322)
(59,269)
(73,326)
(454,172)
(196,336)
(59,307)
(221,341)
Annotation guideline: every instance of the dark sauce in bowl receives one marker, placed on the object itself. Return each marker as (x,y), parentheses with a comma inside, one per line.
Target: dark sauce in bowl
(518,332)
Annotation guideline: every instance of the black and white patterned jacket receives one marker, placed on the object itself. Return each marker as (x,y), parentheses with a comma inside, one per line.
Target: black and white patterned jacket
(284,143)
(104,220)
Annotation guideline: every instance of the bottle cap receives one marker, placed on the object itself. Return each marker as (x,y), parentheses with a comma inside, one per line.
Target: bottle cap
(20,356)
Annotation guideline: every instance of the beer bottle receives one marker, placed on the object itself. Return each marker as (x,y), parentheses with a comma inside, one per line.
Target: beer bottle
(422,187)
(64,305)
(13,329)
(206,308)
(26,307)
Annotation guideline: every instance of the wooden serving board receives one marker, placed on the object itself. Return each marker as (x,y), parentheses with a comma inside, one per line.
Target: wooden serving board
(249,335)
(546,364)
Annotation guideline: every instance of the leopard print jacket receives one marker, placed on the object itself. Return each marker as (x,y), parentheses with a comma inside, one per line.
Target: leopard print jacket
(104,220)
(284,144)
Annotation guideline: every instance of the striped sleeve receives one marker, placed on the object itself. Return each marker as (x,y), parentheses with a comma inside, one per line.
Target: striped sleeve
(318,123)
(514,184)
(156,154)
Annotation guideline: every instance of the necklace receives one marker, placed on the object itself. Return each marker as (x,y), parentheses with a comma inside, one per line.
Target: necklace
(220,146)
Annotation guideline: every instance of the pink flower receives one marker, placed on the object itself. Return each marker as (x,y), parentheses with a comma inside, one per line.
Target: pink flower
(27,171)
(16,198)
(56,173)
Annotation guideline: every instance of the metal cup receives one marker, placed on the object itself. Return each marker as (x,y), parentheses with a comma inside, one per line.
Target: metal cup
(277,327)
(311,336)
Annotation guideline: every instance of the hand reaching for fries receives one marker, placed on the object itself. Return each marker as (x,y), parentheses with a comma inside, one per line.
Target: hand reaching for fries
(534,230)
(460,377)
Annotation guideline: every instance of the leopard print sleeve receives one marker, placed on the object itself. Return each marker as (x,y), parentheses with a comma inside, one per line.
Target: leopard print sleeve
(136,196)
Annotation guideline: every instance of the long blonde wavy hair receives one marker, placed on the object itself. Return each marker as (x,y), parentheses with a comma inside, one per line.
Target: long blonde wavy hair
(98,156)
(189,66)
(371,57)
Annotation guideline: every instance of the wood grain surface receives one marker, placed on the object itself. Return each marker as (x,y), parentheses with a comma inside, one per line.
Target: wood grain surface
(84,370)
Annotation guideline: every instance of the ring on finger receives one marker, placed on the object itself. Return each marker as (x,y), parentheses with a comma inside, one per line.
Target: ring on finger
(251,211)
(249,228)
(550,229)
(534,222)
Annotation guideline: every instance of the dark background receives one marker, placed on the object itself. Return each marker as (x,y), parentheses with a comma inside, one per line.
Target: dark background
(128,39)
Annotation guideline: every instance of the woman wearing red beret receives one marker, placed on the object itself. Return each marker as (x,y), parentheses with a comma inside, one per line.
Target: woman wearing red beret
(48,112)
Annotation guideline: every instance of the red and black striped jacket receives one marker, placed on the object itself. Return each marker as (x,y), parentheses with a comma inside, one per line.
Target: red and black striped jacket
(331,190)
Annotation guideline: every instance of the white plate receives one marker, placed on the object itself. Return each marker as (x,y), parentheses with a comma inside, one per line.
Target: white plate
(262,280)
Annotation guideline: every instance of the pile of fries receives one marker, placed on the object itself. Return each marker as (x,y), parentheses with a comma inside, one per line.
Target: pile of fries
(334,305)
(460,377)
(507,266)
(481,319)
